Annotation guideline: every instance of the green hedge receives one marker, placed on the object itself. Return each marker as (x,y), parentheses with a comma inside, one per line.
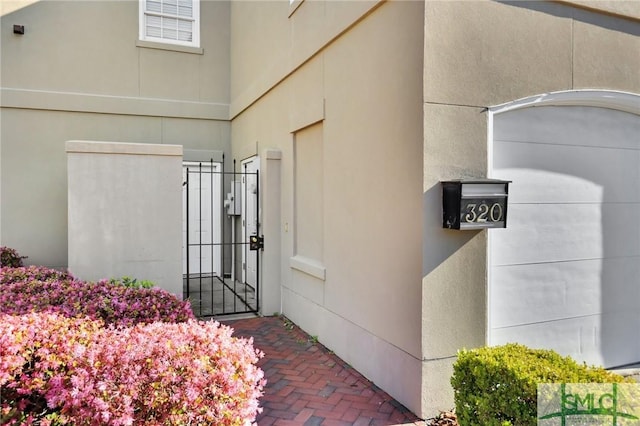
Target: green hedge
(496,386)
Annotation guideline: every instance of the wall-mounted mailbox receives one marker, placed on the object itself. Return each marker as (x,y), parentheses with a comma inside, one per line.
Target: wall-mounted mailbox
(474,204)
(233,202)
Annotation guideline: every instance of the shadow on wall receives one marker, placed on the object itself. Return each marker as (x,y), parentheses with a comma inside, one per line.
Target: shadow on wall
(592,18)
(438,243)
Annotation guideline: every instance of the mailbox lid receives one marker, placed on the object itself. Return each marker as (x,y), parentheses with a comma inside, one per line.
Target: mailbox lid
(475,182)
(492,189)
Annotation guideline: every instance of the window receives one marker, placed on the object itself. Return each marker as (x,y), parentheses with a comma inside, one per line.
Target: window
(170,21)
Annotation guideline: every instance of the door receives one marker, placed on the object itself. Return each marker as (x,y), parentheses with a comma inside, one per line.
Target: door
(565,273)
(250,219)
(201,219)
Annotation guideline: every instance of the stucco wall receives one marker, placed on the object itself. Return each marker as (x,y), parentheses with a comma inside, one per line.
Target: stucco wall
(477,55)
(125,212)
(78,73)
(350,72)
(34,169)
(91,47)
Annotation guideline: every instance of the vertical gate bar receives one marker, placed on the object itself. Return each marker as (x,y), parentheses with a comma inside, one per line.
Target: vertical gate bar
(244,228)
(187,239)
(246,285)
(257,289)
(200,232)
(222,225)
(224,287)
(234,234)
(211,227)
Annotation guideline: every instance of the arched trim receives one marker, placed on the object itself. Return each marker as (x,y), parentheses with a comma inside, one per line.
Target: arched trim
(622,101)
(611,99)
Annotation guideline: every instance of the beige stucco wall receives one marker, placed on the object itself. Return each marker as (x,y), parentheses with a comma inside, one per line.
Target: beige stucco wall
(34,171)
(477,55)
(91,47)
(353,70)
(78,73)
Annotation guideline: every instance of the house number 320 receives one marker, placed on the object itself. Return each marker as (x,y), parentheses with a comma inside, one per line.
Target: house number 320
(483,212)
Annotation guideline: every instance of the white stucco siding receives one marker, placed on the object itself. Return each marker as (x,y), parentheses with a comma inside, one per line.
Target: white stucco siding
(565,273)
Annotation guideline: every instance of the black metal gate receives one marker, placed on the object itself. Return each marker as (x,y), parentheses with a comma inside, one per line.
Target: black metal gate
(221,239)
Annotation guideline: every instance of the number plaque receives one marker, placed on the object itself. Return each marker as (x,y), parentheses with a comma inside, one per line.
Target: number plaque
(474,204)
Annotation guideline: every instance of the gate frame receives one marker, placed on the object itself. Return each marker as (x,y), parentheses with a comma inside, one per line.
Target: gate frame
(241,295)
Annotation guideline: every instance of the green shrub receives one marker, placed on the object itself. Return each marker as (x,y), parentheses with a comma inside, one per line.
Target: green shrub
(10,258)
(131,282)
(496,386)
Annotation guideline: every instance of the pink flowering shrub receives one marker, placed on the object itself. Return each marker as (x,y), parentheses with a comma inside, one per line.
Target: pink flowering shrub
(10,275)
(56,370)
(34,357)
(106,353)
(10,257)
(37,289)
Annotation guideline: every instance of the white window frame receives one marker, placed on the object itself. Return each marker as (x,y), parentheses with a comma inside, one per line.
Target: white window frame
(195,42)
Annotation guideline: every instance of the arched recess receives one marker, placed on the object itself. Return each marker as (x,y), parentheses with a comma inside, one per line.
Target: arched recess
(565,274)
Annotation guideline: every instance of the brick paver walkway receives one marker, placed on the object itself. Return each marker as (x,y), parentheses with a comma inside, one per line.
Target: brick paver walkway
(307,385)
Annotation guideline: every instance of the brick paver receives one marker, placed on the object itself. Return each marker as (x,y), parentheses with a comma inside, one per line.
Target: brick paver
(307,385)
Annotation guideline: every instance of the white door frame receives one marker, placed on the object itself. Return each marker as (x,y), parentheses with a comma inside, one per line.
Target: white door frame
(213,200)
(249,200)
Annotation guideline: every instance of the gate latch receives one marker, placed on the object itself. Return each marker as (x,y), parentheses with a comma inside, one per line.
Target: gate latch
(256,242)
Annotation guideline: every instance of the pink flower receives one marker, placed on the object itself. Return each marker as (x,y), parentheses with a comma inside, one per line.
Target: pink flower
(150,374)
(24,290)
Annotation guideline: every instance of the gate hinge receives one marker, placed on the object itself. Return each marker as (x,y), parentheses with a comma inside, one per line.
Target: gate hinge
(256,242)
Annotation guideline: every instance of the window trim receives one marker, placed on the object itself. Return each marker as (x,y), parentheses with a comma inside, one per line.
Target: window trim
(169,47)
(142,37)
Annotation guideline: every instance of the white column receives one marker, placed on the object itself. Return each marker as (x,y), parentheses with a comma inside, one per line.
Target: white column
(270,281)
